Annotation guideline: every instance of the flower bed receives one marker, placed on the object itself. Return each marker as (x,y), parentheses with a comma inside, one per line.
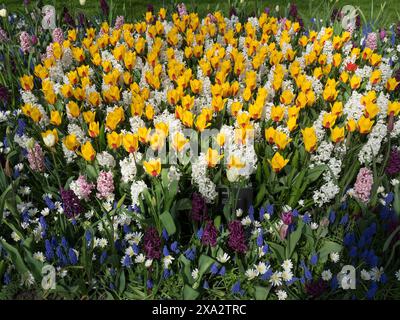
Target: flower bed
(126,134)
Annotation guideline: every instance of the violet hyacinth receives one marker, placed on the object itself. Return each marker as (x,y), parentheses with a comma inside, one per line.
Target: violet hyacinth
(58,35)
(181,9)
(363,185)
(152,244)
(199,208)
(209,235)
(316,288)
(25,42)
(36,159)
(71,204)
(105,184)
(393,166)
(119,22)
(237,238)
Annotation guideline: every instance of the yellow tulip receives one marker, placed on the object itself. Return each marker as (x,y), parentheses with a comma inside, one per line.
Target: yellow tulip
(179,141)
(281,140)
(337,134)
(93,129)
(278,162)
(114,140)
(55,118)
(87,151)
(309,138)
(71,142)
(130,142)
(365,125)
(213,157)
(152,167)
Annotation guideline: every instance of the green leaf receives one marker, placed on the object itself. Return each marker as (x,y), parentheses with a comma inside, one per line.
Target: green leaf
(261,293)
(390,239)
(189,293)
(314,173)
(294,239)
(91,172)
(396,203)
(168,222)
(327,248)
(15,258)
(278,250)
(204,264)
(122,282)
(184,204)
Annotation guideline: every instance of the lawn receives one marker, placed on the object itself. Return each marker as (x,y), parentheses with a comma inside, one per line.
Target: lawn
(308,9)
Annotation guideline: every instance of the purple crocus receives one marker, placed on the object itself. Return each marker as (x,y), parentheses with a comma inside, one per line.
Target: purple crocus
(152,243)
(237,238)
(209,235)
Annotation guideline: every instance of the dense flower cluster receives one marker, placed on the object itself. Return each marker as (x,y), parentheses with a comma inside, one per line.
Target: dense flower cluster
(197,150)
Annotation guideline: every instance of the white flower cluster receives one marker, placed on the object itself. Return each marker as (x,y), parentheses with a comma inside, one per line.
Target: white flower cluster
(199,176)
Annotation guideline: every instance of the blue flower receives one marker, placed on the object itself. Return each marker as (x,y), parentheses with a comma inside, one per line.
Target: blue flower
(314,259)
(127,229)
(307,273)
(165,234)
(88,237)
(372,291)
(135,248)
(306,218)
(332,217)
(73,259)
(334,283)
(260,239)
(349,239)
(266,249)
(206,285)
(267,275)
(165,251)
(222,271)
(262,212)
(251,213)
(126,261)
(49,253)
(353,252)
(214,268)
(295,213)
(103,257)
(6,278)
(389,198)
(270,209)
(236,288)
(190,253)
(174,247)
(21,127)
(199,233)
(64,243)
(166,273)
(149,284)
(344,219)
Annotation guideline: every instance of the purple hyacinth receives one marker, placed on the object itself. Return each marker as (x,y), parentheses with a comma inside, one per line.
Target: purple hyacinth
(181,9)
(209,235)
(293,12)
(25,42)
(68,18)
(316,288)
(58,35)
(150,8)
(104,7)
(71,204)
(152,244)
(372,41)
(237,239)
(199,208)
(393,166)
(4,94)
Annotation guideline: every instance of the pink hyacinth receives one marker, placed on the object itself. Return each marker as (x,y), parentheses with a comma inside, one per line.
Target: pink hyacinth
(119,22)
(36,159)
(372,41)
(83,187)
(58,35)
(3,35)
(105,184)
(25,42)
(363,185)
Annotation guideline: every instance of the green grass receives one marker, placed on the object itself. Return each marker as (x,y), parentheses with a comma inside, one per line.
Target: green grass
(134,9)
